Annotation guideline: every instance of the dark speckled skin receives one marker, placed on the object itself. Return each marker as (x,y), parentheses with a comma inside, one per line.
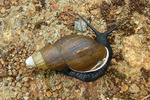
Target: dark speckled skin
(92,76)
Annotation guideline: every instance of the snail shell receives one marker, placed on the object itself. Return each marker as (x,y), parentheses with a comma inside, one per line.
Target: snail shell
(79,53)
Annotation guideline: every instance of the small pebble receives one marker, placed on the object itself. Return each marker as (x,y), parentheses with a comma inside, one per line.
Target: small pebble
(53,88)
(10,79)
(7,3)
(1,2)
(80,25)
(2,72)
(115,98)
(3,10)
(6,83)
(48,93)
(113,61)
(25,79)
(1,79)
(35,1)
(18,84)
(24,89)
(14,73)
(102,97)
(95,11)
(58,87)
(149,47)
(26,84)
(55,94)
(1,91)
(13,84)
(19,95)
(26,98)
(134,88)
(121,91)
(124,88)
(9,67)
(8,98)
(18,77)
(116,80)
(119,10)
(20,71)
(9,72)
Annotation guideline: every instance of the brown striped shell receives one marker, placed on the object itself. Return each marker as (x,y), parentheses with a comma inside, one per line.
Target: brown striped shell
(80,53)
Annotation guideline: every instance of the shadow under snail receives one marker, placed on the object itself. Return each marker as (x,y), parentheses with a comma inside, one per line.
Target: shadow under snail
(76,55)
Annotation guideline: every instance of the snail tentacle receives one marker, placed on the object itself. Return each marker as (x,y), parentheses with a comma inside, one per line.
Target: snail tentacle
(108,32)
(96,32)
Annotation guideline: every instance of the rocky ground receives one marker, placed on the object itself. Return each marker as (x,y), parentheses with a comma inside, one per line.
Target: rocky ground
(28,25)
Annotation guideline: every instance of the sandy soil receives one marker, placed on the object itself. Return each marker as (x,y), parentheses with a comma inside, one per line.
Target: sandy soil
(29,25)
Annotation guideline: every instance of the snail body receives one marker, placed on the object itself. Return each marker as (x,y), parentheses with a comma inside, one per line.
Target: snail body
(75,55)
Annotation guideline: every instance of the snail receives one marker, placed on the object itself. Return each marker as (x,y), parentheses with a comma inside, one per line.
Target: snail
(76,55)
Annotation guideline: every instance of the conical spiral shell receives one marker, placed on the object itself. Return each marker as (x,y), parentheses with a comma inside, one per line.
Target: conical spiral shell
(80,53)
